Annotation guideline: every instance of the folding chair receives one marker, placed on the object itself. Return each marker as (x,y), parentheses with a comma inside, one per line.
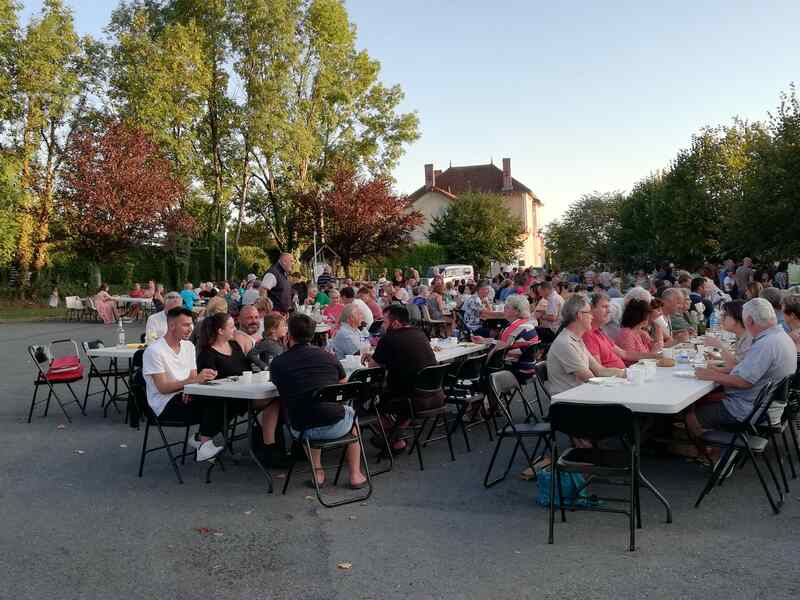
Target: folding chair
(465,391)
(367,408)
(52,371)
(90,311)
(428,381)
(504,388)
(75,308)
(772,427)
(621,467)
(742,439)
(97,372)
(142,408)
(345,393)
(435,328)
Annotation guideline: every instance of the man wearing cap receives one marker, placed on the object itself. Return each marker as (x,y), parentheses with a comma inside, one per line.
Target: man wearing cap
(276,281)
(156,325)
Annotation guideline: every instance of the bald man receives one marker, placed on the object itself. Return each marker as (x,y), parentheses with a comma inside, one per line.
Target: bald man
(276,280)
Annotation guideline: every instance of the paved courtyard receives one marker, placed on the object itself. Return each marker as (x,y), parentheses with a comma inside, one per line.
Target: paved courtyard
(82,525)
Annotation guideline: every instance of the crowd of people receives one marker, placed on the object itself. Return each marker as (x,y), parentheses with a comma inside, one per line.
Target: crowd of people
(583,326)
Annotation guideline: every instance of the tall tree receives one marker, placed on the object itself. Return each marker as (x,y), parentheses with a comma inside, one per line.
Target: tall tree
(119,192)
(475,229)
(362,218)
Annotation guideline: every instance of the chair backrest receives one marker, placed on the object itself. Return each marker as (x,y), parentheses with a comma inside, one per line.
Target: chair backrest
(73,303)
(430,379)
(340,393)
(426,314)
(504,387)
(56,345)
(90,303)
(41,355)
(373,377)
(471,368)
(92,345)
(592,421)
(138,390)
(495,360)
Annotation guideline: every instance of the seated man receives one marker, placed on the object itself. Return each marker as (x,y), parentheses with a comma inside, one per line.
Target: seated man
(599,345)
(168,365)
(673,305)
(771,358)
(366,296)
(250,323)
(348,337)
(189,295)
(298,373)
(348,295)
(569,363)
(156,325)
(403,351)
(475,308)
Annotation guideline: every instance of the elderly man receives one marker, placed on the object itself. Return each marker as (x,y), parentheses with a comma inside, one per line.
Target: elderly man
(348,337)
(475,308)
(348,295)
(775,297)
(674,305)
(276,280)
(771,358)
(550,319)
(569,363)
(250,323)
(156,325)
(599,345)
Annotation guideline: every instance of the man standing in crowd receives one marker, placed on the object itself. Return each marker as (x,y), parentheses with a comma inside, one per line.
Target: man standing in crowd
(276,280)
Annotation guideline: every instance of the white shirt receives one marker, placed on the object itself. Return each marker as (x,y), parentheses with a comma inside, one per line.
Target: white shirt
(160,358)
(156,326)
(366,312)
(250,296)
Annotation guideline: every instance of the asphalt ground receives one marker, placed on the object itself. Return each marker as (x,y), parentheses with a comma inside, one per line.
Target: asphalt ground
(83,525)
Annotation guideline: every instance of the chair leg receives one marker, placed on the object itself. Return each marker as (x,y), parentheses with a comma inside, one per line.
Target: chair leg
(779,459)
(638,493)
(185,444)
(341,464)
(447,433)
(486,482)
(715,474)
(172,459)
(763,481)
(60,404)
(33,402)
(552,508)
(765,458)
(387,445)
(47,403)
(417,444)
(144,447)
(289,476)
(561,500)
(77,401)
(793,435)
(788,450)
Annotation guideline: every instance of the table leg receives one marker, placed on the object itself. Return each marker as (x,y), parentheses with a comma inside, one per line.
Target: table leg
(250,416)
(646,483)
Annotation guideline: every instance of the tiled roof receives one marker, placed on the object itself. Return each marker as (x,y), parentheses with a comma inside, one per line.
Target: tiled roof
(483,179)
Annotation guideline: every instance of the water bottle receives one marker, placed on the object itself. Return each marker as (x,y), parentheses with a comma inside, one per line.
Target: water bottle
(120,334)
(714,321)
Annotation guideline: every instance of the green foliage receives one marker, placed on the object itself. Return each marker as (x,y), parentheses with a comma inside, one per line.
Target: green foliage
(418,256)
(476,229)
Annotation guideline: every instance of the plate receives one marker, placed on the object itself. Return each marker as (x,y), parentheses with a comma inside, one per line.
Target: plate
(685,374)
(606,380)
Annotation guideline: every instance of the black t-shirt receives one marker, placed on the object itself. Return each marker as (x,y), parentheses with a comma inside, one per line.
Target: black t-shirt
(224,365)
(298,373)
(403,352)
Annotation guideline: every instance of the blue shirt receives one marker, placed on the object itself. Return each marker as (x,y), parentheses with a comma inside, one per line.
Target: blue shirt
(346,341)
(771,358)
(188,298)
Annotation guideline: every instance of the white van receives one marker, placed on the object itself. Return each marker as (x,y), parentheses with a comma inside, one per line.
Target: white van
(450,273)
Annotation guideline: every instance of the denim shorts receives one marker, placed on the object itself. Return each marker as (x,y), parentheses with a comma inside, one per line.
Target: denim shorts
(330,432)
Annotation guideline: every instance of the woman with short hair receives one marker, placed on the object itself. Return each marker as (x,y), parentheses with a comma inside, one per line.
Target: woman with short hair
(732,322)
(633,335)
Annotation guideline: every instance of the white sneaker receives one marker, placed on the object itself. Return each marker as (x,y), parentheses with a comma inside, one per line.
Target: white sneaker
(208,450)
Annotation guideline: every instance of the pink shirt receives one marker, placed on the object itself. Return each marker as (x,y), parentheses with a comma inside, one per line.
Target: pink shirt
(332,311)
(601,347)
(634,340)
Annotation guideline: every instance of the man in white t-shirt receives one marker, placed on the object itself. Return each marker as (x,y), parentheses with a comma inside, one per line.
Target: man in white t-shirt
(157,323)
(348,295)
(168,365)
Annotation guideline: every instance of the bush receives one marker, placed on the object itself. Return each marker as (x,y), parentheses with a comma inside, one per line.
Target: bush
(418,256)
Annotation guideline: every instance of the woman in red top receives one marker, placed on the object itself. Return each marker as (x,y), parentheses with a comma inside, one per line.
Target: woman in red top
(633,336)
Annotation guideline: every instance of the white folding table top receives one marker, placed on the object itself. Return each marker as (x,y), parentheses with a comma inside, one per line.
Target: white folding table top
(115,351)
(664,395)
(448,353)
(131,300)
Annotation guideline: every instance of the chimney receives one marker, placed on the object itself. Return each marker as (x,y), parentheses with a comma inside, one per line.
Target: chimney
(436,174)
(507,185)
(430,177)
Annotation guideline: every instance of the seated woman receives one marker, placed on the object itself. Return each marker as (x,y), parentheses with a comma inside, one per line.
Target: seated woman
(657,324)
(520,334)
(272,343)
(334,309)
(732,322)
(791,315)
(106,305)
(220,352)
(633,335)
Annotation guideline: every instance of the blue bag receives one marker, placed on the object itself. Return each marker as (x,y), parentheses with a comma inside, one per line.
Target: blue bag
(571,483)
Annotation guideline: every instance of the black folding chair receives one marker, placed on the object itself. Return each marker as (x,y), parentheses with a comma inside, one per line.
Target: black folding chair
(772,428)
(142,409)
(105,375)
(596,422)
(744,439)
(465,391)
(504,388)
(428,382)
(52,371)
(367,409)
(345,393)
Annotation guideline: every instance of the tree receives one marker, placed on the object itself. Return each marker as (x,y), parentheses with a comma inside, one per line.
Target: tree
(476,229)
(362,218)
(119,192)
(583,236)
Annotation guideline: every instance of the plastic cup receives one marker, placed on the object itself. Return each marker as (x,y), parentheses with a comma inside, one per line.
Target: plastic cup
(668,353)
(246,377)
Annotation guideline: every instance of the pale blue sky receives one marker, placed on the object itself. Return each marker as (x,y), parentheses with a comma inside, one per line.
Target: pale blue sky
(582,95)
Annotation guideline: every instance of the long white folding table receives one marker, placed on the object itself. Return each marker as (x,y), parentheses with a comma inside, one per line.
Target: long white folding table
(117,353)
(257,390)
(665,394)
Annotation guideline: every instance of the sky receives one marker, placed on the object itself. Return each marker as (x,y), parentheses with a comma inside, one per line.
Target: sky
(581,95)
